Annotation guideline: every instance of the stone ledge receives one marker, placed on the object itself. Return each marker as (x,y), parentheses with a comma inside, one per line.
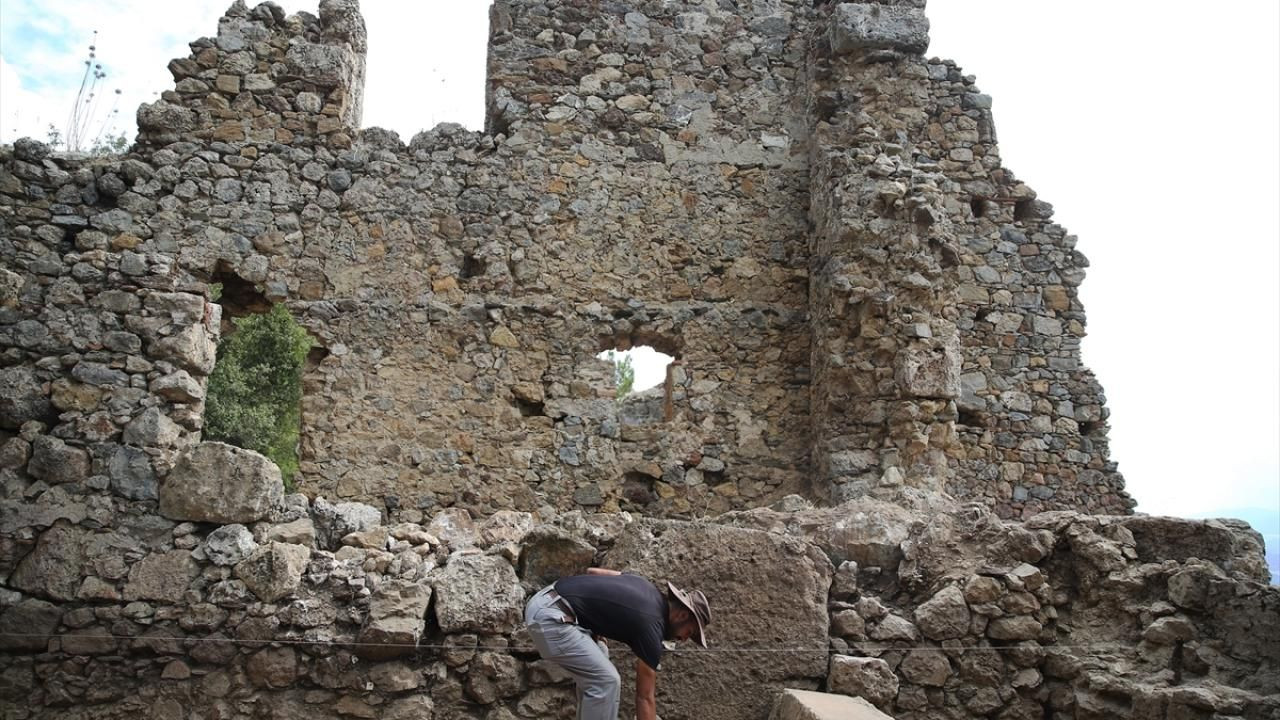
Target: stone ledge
(808,705)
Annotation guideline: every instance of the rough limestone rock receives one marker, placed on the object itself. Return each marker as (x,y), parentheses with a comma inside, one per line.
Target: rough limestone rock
(867,531)
(54,461)
(773,594)
(334,522)
(860,27)
(477,593)
(809,705)
(945,616)
(162,577)
(1230,544)
(21,397)
(454,527)
(549,553)
(397,616)
(152,429)
(274,570)
(869,678)
(504,526)
(228,545)
(28,625)
(53,569)
(298,532)
(220,483)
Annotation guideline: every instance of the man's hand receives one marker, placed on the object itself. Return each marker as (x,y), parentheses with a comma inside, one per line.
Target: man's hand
(646,682)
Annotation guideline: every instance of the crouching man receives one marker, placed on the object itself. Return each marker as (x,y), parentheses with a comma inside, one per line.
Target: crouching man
(565,617)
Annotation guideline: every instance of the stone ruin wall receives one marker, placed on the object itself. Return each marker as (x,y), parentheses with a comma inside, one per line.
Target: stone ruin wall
(649,180)
(865,307)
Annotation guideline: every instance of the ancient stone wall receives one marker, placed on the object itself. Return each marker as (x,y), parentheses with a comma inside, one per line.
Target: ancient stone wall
(865,307)
(650,176)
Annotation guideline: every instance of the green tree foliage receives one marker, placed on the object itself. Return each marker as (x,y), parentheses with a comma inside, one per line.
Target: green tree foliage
(255,391)
(624,374)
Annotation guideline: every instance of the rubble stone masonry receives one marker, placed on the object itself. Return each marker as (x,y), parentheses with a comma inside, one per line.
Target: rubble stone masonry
(868,313)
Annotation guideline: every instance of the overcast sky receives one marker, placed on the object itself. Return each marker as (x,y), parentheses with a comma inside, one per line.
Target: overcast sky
(1152,127)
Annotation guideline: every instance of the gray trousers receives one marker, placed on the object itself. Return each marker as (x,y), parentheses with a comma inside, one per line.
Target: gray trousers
(571,647)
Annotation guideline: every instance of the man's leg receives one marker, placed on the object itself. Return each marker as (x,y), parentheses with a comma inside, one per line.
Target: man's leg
(571,647)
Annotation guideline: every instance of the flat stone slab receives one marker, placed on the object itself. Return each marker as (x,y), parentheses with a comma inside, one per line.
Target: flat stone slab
(809,705)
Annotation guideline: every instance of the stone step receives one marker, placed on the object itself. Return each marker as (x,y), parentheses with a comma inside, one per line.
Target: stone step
(808,705)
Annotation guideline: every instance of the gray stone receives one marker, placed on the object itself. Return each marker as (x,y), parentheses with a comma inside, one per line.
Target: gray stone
(132,475)
(396,620)
(548,553)
(178,387)
(22,397)
(945,616)
(28,625)
(334,522)
(220,483)
(229,544)
(926,666)
(53,569)
(453,527)
(298,532)
(162,576)
(867,678)
(478,593)
(192,348)
(274,570)
(152,429)
(54,461)
(809,705)
(862,27)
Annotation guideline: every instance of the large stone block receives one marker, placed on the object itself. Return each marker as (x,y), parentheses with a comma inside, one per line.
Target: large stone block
(478,593)
(274,570)
(869,678)
(22,397)
(53,568)
(28,625)
(163,577)
(220,483)
(809,705)
(397,615)
(765,591)
(862,27)
(334,522)
(549,553)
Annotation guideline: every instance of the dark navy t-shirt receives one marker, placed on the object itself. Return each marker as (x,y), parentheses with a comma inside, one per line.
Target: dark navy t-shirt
(626,608)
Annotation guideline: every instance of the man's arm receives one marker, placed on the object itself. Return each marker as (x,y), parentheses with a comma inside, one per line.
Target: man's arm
(646,681)
(602,571)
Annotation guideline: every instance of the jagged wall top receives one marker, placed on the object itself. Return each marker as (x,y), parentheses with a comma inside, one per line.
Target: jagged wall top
(266,77)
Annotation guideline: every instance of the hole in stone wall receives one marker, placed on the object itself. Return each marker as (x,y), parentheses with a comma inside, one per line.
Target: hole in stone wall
(636,369)
(254,398)
(978,206)
(1022,210)
(530,408)
(971,418)
(1090,427)
(237,296)
(637,491)
(472,266)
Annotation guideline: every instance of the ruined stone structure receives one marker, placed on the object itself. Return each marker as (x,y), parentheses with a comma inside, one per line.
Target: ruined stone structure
(868,313)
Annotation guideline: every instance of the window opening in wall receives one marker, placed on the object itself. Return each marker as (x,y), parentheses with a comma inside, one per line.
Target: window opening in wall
(254,398)
(1022,210)
(978,206)
(637,369)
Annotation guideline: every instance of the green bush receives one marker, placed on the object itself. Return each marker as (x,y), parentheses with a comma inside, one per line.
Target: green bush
(255,391)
